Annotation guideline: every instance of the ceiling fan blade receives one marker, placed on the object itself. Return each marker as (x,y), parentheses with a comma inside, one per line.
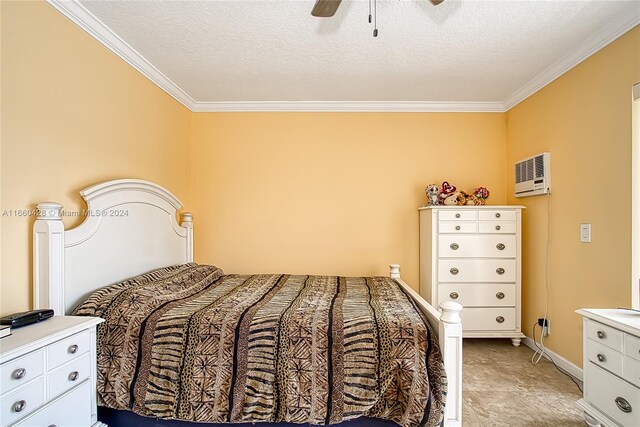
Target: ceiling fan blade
(326,8)
(436,2)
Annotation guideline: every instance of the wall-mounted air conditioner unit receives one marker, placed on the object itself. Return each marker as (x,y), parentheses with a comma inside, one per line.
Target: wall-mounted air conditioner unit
(533,176)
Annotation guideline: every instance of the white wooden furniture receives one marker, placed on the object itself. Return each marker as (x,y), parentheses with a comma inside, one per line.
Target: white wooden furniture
(611,367)
(472,255)
(132,229)
(48,374)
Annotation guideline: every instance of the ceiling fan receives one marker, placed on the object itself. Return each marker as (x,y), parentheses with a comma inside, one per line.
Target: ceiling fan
(328,8)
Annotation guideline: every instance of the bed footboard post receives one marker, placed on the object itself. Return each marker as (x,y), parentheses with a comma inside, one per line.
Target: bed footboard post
(48,258)
(451,347)
(394,271)
(187,222)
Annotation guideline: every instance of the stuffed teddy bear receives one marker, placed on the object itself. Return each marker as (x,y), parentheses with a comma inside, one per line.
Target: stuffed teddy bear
(433,195)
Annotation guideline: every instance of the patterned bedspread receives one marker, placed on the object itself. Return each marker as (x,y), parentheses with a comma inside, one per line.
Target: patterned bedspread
(188,342)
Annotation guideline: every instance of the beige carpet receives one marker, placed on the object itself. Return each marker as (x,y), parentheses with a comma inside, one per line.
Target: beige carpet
(502,388)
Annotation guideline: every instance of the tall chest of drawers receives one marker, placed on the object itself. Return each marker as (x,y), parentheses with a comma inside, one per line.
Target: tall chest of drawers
(48,374)
(472,255)
(611,367)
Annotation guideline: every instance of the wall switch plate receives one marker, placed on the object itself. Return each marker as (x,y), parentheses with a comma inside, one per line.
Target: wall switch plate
(585,233)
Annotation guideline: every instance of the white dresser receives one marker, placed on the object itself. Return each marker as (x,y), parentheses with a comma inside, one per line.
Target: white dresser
(48,374)
(472,255)
(611,367)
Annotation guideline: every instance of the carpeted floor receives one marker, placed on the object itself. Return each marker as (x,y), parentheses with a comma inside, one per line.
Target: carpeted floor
(502,388)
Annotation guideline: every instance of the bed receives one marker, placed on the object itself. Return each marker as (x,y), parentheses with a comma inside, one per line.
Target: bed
(131,229)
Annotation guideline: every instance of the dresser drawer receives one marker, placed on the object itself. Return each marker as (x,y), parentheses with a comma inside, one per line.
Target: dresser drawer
(612,395)
(632,372)
(477,246)
(457,214)
(632,346)
(70,410)
(488,319)
(21,370)
(494,215)
(477,270)
(457,227)
(605,335)
(478,294)
(68,349)
(22,401)
(497,227)
(605,357)
(69,375)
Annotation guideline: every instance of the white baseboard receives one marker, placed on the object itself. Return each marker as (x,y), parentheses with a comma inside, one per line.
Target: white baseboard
(562,363)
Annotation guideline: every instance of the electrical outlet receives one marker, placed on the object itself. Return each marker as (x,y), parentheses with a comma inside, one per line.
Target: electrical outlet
(547,329)
(545,324)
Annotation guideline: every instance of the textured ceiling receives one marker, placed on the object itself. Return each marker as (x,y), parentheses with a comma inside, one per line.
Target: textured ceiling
(273,50)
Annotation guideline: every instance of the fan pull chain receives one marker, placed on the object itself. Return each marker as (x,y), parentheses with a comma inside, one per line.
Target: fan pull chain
(369,11)
(375,18)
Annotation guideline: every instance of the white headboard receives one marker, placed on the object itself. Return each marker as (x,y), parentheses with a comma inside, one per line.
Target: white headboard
(130,228)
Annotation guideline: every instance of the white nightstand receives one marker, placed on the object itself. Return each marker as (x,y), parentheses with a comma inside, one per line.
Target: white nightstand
(611,360)
(48,374)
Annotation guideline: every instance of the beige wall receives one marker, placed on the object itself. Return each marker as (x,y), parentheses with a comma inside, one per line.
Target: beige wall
(73,114)
(331,193)
(584,120)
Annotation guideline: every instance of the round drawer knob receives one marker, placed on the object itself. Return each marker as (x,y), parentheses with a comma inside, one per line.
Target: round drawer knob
(73,349)
(500,319)
(601,357)
(457,215)
(497,227)
(454,246)
(500,271)
(500,295)
(500,246)
(453,295)
(623,404)
(601,335)
(73,376)
(457,227)
(19,374)
(454,271)
(19,405)
(497,214)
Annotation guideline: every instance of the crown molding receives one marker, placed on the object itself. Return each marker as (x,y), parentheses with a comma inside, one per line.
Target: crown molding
(77,13)
(592,45)
(371,106)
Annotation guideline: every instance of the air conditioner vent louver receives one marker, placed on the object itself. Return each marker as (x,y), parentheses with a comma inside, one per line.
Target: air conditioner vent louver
(533,176)
(539,166)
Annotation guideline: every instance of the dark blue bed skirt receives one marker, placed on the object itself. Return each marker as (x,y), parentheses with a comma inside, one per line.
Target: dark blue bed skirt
(116,418)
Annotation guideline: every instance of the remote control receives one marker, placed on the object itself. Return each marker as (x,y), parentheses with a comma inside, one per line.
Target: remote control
(17,320)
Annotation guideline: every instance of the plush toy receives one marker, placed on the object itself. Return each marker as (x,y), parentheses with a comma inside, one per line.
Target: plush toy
(461,200)
(473,200)
(481,193)
(456,199)
(433,195)
(446,191)
(451,200)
